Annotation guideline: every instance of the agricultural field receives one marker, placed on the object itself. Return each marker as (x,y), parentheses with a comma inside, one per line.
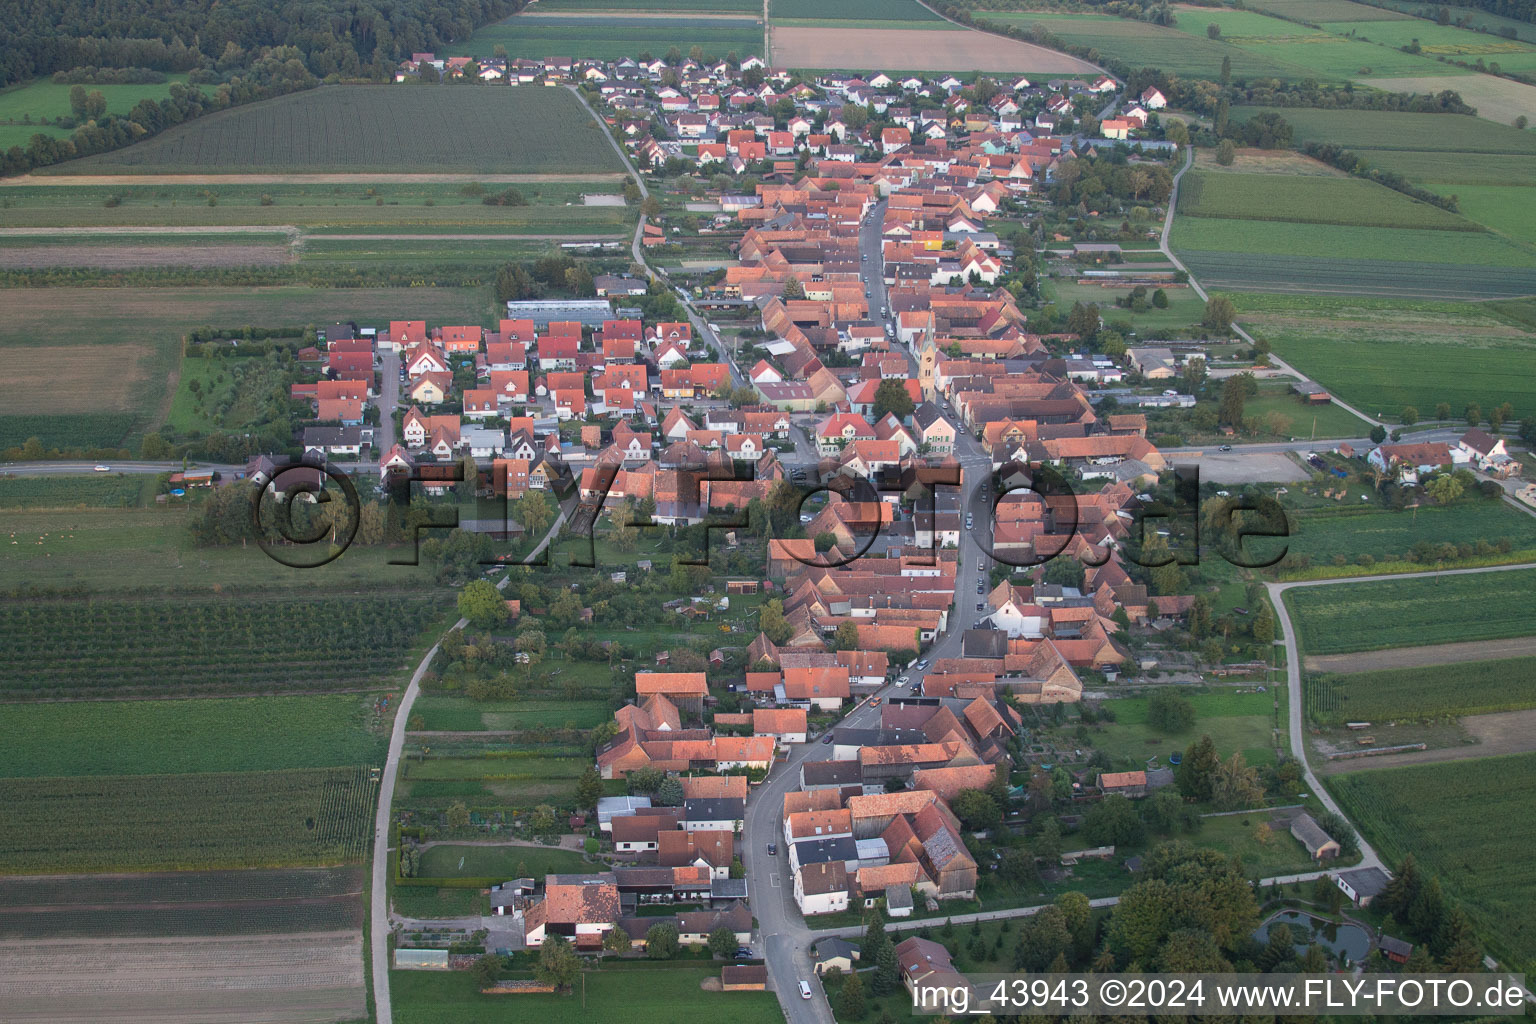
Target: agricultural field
(1456,44)
(1234,721)
(1376,129)
(608,37)
(206,646)
(1239,25)
(401,128)
(1331,277)
(850,10)
(1336,57)
(657,6)
(1475,20)
(1146,45)
(1498,99)
(1387,537)
(172,737)
(1322,11)
(253,902)
(1380,354)
(117,491)
(1509,210)
(1289,238)
(1427,166)
(671,993)
(1309,199)
(44,100)
(913,47)
(1481,687)
(185,822)
(1468,822)
(1370,616)
(126,345)
(267,979)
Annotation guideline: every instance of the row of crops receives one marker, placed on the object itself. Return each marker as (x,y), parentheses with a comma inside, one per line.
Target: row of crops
(185,822)
(331,914)
(182,887)
(235,645)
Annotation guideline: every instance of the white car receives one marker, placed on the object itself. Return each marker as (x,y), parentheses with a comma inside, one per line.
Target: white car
(103,469)
(805,989)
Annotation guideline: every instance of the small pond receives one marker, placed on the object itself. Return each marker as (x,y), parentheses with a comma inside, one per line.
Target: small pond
(1342,940)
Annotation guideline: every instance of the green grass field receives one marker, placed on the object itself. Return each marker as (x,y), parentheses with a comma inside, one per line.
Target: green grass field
(1468,822)
(1340,276)
(1474,18)
(1429,166)
(43,98)
(850,10)
(172,737)
(1371,616)
(1445,41)
(377,128)
(1286,238)
(1240,25)
(1506,209)
(184,822)
(1505,684)
(1381,354)
(665,993)
(1375,129)
(1146,45)
(1309,199)
(1234,721)
(459,714)
(1388,536)
(500,861)
(608,37)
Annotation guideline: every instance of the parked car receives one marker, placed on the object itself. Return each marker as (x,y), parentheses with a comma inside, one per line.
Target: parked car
(827,738)
(772,850)
(743,953)
(805,989)
(1226,447)
(981,606)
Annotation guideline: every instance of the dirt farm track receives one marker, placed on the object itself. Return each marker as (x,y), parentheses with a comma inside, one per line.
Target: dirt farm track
(198,980)
(917,50)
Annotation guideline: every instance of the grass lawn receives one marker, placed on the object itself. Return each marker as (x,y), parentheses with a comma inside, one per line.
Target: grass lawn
(1334,56)
(608,37)
(1382,354)
(664,995)
(502,861)
(362,128)
(691,6)
(1317,11)
(1373,615)
(1237,835)
(1234,721)
(431,902)
(1309,199)
(1509,210)
(1184,306)
(1285,238)
(153,737)
(1468,822)
(1504,684)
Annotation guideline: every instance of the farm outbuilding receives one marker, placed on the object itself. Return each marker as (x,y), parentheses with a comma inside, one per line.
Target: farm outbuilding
(421,959)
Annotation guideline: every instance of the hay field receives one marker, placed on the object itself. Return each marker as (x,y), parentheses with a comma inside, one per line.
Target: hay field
(917,50)
(1496,99)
